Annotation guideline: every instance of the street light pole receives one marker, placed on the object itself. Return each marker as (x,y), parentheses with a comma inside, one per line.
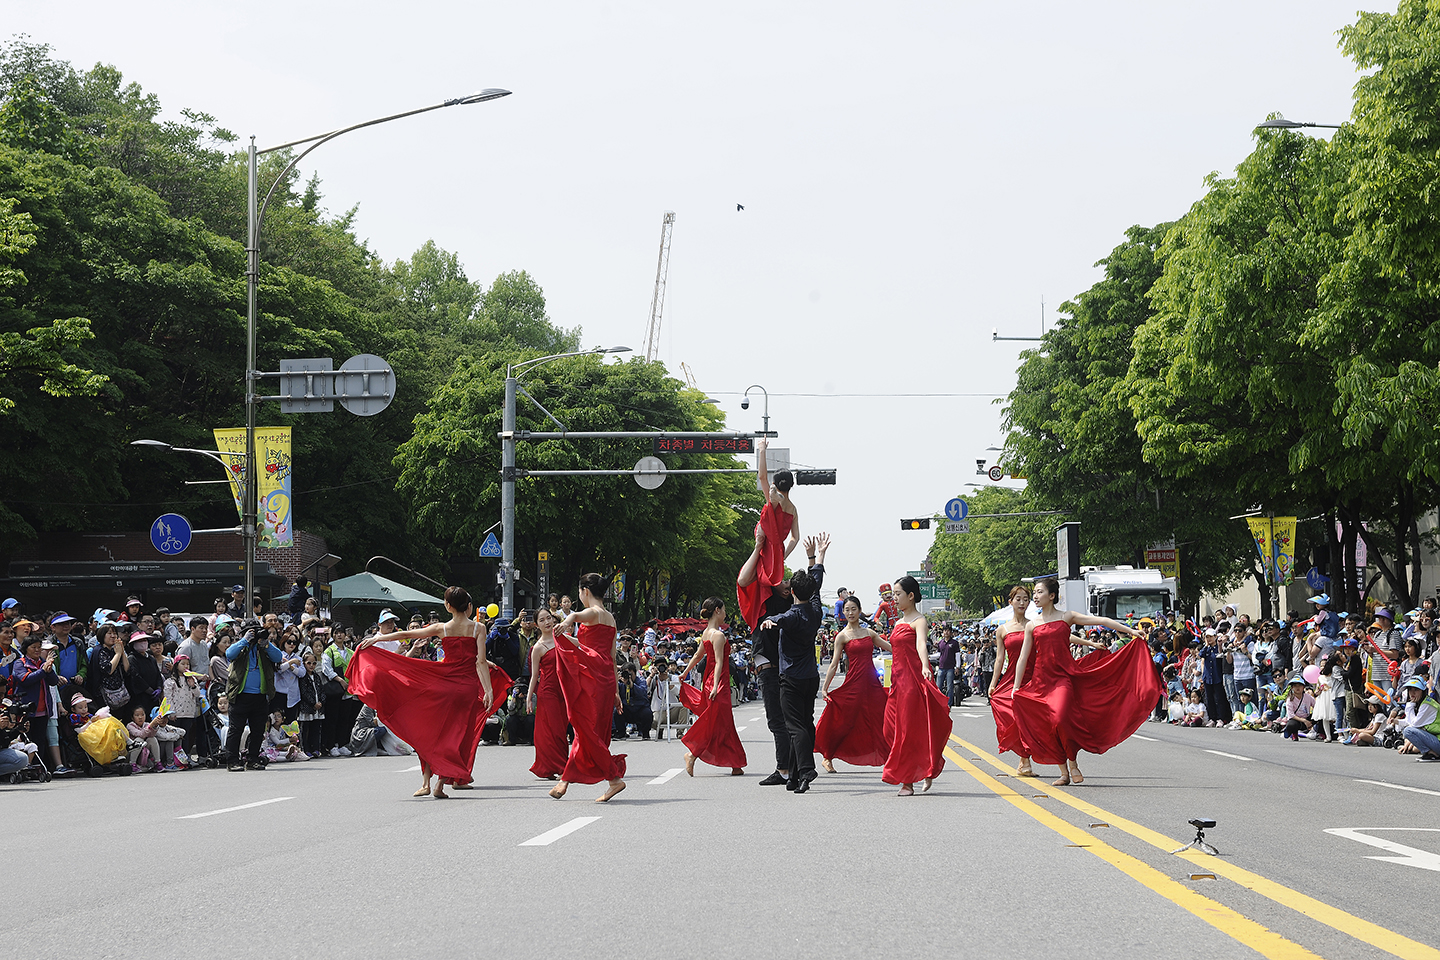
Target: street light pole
(507,470)
(256,216)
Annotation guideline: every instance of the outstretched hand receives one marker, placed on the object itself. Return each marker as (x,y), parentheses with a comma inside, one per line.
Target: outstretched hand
(809,544)
(822,542)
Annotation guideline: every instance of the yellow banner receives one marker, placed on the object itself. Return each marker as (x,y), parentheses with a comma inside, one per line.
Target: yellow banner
(1275,540)
(273,475)
(1164,557)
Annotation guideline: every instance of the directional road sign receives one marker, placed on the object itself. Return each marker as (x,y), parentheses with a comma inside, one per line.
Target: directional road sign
(170,534)
(490,549)
(956,509)
(650,472)
(957,526)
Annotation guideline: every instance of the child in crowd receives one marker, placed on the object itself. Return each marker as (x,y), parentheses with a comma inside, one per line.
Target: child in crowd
(1248,716)
(169,736)
(312,706)
(1176,710)
(1369,735)
(1194,712)
(281,744)
(144,748)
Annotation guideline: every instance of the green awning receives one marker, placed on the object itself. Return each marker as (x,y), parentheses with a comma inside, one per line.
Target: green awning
(369,589)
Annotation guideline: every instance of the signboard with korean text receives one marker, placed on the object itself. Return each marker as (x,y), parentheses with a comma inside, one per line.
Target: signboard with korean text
(704,445)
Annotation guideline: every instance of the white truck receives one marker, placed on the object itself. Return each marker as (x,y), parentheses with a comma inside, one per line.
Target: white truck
(1120,592)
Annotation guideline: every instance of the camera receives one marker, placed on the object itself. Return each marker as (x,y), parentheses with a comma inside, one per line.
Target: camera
(745,404)
(1202,824)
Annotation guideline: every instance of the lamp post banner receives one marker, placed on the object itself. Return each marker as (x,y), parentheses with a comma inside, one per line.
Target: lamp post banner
(273,473)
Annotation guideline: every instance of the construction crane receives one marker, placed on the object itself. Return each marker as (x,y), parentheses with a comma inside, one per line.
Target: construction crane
(662,271)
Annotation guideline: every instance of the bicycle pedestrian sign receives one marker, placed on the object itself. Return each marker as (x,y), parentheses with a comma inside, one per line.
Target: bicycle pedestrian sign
(170,534)
(490,548)
(956,509)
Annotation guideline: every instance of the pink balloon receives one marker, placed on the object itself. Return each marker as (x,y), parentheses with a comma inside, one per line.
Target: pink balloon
(1311,674)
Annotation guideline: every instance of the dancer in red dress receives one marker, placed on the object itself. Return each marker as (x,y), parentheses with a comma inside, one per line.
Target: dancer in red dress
(1067,705)
(779,520)
(1009,638)
(917,714)
(712,736)
(546,702)
(439,708)
(586,667)
(852,728)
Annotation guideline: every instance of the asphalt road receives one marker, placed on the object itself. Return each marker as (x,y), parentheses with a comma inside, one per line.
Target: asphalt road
(333,858)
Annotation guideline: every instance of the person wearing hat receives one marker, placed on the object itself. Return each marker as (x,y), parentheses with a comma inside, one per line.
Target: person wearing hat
(1421,724)
(147,677)
(1385,640)
(250,687)
(886,613)
(133,610)
(1379,720)
(10,609)
(1248,716)
(36,690)
(387,624)
(1299,704)
(71,664)
(236,607)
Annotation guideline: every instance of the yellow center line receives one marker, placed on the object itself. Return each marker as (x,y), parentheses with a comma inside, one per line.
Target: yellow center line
(1241,928)
(1347,923)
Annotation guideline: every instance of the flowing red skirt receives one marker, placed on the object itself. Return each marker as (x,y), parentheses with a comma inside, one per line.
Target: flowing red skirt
(771,568)
(852,726)
(550,723)
(1002,703)
(917,715)
(587,677)
(1089,704)
(436,707)
(712,737)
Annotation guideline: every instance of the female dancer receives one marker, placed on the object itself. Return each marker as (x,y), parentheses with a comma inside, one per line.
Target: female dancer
(439,708)
(917,713)
(852,727)
(712,736)
(1067,705)
(1009,638)
(586,667)
(776,535)
(546,702)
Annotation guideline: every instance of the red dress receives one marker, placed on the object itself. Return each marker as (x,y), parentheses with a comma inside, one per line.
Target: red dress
(712,736)
(436,707)
(1002,703)
(917,715)
(1089,704)
(550,723)
(587,679)
(852,728)
(770,569)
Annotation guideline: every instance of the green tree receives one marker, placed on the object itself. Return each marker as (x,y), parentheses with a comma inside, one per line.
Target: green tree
(997,553)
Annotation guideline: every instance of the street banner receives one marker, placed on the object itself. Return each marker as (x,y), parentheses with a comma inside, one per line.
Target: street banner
(1275,540)
(617,587)
(273,477)
(1164,557)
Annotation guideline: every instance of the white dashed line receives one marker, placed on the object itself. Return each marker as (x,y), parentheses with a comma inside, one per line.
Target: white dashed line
(1136,736)
(1232,756)
(1400,786)
(665,777)
(741,729)
(564,830)
(243,806)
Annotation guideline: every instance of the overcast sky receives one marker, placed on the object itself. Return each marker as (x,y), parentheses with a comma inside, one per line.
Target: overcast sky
(913,176)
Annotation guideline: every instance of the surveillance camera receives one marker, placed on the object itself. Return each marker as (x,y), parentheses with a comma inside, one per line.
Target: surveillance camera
(745,404)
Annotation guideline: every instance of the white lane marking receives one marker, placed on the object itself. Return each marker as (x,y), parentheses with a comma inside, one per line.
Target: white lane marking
(741,729)
(1408,856)
(1136,736)
(973,716)
(756,719)
(1232,756)
(414,769)
(243,806)
(564,830)
(1400,786)
(665,777)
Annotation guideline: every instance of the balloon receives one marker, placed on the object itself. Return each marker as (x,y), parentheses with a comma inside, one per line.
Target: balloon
(492,611)
(1311,674)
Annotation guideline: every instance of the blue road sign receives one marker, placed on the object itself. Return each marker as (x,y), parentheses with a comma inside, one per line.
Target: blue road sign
(956,509)
(1316,579)
(491,547)
(170,533)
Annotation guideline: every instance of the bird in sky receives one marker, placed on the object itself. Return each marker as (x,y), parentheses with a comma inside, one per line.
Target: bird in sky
(739,206)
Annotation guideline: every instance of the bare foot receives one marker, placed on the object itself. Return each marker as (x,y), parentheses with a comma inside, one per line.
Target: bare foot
(690,764)
(906,790)
(1064,781)
(1026,771)
(422,792)
(829,767)
(559,789)
(615,787)
(737,771)
(928,782)
(439,793)
(1075,775)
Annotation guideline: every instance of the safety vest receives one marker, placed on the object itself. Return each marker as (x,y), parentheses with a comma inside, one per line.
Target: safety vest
(1434,725)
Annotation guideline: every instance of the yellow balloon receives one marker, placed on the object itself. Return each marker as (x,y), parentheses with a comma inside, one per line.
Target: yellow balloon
(492,611)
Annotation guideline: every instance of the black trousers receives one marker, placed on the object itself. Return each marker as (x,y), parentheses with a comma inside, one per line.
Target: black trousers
(1217,705)
(254,709)
(774,717)
(797,702)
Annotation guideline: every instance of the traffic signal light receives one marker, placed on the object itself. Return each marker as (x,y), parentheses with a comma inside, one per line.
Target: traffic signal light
(921,523)
(814,477)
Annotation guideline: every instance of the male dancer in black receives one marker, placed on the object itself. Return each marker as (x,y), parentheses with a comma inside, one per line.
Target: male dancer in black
(765,656)
(799,672)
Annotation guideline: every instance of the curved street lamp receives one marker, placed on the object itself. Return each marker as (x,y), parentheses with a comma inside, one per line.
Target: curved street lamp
(1280,123)
(256,216)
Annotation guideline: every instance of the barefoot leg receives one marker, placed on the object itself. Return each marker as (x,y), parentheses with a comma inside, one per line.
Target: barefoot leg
(747,572)
(1025,769)
(829,767)
(424,790)
(559,789)
(1064,780)
(439,793)
(615,787)
(1075,775)
(690,764)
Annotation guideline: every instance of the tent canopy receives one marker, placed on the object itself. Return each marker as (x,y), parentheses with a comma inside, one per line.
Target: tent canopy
(369,588)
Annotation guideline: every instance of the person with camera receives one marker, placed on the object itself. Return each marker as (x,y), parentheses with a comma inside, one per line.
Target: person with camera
(665,704)
(253,659)
(36,689)
(12,730)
